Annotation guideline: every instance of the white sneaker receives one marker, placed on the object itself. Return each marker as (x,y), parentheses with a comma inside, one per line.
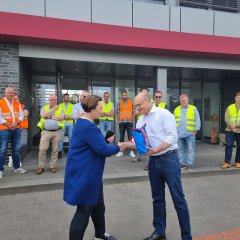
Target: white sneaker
(132,154)
(1,174)
(120,154)
(10,162)
(20,170)
(20,164)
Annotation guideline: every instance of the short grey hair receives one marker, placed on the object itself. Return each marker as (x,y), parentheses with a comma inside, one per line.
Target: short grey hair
(183,95)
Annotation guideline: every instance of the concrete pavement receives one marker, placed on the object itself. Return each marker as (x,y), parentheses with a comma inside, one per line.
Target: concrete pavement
(31,206)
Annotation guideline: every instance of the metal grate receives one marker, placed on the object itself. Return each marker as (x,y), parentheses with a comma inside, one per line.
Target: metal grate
(221,5)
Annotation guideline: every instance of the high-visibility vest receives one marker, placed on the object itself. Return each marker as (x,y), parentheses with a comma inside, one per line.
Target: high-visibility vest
(190,121)
(125,111)
(24,123)
(57,114)
(68,112)
(107,108)
(7,115)
(233,115)
(160,105)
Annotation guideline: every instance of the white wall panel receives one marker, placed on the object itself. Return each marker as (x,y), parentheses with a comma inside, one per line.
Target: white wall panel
(227,24)
(113,12)
(31,7)
(175,19)
(196,21)
(69,9)
(150,15)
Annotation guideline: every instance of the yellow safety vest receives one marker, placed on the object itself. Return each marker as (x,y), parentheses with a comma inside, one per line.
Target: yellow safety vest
(191,121)
(67,112)
(233,115)
(107,108)
(57,114)
(160,105)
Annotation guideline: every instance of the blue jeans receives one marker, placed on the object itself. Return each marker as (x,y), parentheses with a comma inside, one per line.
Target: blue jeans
(81,218)
(14,136)
(68,127)
(230,138)
(186,150)
(105,125)
(166,169)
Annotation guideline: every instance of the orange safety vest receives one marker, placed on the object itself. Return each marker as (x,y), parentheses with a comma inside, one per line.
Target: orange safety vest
(24,123)
(125,111)
(6,113)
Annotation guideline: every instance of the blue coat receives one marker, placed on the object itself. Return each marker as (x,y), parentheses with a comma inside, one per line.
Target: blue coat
(85,163)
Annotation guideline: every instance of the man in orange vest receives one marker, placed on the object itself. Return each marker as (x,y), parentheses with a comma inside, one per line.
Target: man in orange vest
(23,127)
(125,118)
(11,115)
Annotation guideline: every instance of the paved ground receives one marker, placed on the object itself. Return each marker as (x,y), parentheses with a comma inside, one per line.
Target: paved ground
(31,207)
(208,159)
(213,204)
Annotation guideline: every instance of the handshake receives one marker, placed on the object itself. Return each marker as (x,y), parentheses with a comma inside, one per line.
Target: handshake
(126,145)
(122,145)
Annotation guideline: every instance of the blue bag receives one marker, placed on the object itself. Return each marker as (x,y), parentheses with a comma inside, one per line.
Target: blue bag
(141,140)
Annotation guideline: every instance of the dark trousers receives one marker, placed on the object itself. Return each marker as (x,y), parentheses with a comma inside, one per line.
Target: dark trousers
(81,218)
(230,138)
(123,126)
(166,170)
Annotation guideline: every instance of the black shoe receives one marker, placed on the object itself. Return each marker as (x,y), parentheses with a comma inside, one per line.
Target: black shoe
(59,155)
(155,236)
(105,236)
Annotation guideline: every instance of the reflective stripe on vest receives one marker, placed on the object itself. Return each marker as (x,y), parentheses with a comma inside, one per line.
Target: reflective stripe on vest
(57,114)
(7,115)
(190,121)
(125,111)
(233,115)
(67,112)
(24,122)
(107,108)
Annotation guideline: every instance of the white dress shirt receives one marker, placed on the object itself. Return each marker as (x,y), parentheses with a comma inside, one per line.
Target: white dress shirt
(160,128)
(10,106)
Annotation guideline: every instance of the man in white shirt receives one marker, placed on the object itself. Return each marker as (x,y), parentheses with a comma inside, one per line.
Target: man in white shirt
(164,166)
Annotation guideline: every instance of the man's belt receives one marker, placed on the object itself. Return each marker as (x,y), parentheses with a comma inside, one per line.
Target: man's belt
(166,153)
(51,130)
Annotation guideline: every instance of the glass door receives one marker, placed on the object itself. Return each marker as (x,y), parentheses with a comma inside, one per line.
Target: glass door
(211,109)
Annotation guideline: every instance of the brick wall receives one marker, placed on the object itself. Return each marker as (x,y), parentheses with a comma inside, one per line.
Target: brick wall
(9,66)
(14,71)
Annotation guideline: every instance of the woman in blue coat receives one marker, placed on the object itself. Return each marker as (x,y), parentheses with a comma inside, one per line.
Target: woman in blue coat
(84,171)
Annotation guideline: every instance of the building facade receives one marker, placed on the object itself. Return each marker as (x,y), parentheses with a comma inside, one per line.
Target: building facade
(58,46)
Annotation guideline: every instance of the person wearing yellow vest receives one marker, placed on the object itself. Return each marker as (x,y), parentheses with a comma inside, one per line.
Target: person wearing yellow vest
(51,124)
(125,116)
(11,116)
(23,126)
(107,116)
(188,123)
(158,100)
(232,134)
(68,122)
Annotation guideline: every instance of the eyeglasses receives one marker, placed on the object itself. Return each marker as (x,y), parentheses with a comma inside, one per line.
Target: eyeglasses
(158,96)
